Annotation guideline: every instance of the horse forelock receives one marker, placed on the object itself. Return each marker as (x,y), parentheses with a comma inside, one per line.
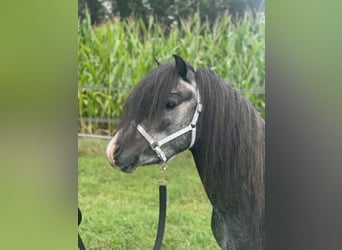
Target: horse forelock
(147,99)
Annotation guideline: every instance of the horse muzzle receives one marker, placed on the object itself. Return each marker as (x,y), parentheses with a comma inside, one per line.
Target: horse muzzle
(115,157)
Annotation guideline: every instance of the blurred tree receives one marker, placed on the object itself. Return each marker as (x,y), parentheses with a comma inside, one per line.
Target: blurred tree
(168,11)
(126,8)
(96,10)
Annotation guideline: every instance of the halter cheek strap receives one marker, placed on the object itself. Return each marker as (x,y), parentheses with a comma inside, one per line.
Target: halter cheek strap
(155,145)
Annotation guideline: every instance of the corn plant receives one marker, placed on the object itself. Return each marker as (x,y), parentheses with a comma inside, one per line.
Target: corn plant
(119,53)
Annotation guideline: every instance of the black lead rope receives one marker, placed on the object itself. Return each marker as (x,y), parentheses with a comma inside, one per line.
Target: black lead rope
(80,242)
(162,207)
(162,216)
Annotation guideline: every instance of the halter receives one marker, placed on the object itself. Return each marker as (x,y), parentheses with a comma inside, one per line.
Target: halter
(155,145)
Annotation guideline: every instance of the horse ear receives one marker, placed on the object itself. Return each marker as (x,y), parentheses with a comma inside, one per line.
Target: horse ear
(181,67)
(158,63)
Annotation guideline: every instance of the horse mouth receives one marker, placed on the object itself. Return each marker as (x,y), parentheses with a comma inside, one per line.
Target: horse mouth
(130,167)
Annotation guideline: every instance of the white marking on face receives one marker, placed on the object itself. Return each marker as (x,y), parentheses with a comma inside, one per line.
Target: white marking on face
(111,148)
(191,86)
(184,107)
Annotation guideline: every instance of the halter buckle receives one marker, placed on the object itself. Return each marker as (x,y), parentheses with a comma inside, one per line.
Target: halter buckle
(154,145)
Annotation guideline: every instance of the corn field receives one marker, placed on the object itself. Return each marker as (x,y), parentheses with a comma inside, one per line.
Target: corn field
(115,56)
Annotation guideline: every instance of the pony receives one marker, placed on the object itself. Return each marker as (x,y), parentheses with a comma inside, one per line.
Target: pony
(175,108)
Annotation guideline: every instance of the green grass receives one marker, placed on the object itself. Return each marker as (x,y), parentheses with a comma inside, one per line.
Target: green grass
(120,211)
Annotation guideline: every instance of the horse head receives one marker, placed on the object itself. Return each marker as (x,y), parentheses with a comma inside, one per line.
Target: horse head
(159,119)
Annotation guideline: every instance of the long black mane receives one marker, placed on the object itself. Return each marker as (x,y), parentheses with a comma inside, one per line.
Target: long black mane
(229,149)
(229,156)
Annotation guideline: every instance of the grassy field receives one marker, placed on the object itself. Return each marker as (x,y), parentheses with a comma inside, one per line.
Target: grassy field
(120,211)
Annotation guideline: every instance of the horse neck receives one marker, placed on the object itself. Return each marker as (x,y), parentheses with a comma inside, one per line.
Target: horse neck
(230,160)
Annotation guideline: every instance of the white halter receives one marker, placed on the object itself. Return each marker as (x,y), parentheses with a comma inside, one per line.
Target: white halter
(155,145)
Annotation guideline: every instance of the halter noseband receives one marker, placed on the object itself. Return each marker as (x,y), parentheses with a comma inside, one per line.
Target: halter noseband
(155,145)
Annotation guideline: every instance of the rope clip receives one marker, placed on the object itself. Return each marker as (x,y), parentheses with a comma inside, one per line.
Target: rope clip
(163,168)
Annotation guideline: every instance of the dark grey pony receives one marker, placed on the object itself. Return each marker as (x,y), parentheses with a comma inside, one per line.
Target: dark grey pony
(174,108)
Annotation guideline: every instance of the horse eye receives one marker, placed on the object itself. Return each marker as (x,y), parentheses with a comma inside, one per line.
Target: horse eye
(171,105)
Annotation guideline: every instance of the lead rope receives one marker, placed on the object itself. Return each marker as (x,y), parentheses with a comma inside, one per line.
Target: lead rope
(80,242)
(162,208)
